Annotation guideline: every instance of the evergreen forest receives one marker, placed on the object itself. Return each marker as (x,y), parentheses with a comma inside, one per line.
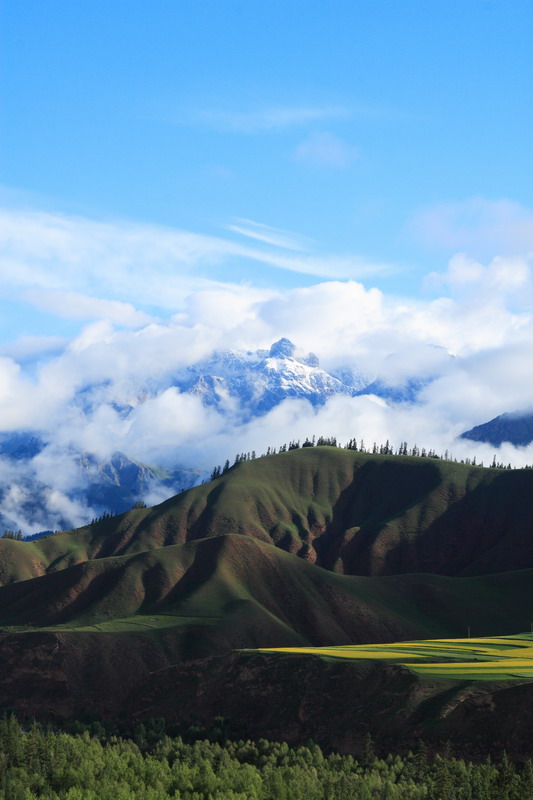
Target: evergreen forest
(39,762)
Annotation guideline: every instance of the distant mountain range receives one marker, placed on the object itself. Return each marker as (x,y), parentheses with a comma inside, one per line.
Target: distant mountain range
(49,484)
(94,485)
(261,379)
(258,380)
(241,384)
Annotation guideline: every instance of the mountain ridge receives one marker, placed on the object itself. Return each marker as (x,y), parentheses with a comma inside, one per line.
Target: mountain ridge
(351,512)
(515,428)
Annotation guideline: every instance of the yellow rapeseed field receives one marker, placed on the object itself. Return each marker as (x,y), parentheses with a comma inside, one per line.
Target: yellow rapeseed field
(498,658)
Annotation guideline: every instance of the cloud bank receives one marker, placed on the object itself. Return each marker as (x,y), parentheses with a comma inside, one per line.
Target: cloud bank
(111,387)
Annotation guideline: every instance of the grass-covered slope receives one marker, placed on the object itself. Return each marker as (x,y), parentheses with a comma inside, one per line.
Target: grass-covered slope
(123,635)
(246,593)
(350,512)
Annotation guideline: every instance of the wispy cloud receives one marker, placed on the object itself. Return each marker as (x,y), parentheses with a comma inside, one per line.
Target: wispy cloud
(30,348)
(348,267)
(140,264)
(269,235)
(262,120)
(326,150)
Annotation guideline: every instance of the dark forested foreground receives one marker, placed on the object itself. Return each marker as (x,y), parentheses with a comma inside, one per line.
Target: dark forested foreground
(37,763)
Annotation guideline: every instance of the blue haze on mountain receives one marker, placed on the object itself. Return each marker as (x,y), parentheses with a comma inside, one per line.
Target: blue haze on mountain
(515,428)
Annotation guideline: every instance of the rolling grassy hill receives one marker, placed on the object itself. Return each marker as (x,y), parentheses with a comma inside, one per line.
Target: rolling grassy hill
(349,512)
(236,583)
(156,633)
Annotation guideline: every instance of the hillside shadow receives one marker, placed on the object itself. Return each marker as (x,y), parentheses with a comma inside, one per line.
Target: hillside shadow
(379,492)
(60,597)
(488,530)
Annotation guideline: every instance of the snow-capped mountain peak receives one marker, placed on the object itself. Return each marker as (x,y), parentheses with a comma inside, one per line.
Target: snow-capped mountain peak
(259,380)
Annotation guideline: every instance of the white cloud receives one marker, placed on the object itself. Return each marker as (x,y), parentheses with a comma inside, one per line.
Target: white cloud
(421,360)
(483,385)
(144,265)
(17,399)
(503,276)
(224,309)
(136,263)
(345,267)
(326,150)
(32,347)
(73,305)
(111,387)
(171,422)
(344,323)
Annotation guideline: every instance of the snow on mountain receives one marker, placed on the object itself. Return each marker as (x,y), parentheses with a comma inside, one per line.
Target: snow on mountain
(256,381)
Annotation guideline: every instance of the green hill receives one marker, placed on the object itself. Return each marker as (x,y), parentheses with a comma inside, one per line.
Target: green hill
(349,512)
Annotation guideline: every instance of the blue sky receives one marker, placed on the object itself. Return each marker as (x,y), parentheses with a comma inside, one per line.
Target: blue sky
(182,176)
(380,138)
(350,123)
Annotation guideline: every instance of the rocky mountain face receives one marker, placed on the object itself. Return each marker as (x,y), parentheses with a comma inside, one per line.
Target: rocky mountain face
(258,380)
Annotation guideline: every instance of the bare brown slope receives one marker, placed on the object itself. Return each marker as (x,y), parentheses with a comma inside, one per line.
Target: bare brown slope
(349,512)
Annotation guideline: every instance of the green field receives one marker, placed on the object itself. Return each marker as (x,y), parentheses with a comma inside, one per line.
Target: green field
(497,658)
(138,623)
